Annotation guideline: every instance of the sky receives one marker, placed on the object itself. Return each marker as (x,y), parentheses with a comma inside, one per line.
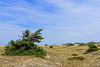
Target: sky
(63,21)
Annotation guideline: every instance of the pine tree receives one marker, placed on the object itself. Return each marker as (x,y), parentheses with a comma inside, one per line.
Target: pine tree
(26,45)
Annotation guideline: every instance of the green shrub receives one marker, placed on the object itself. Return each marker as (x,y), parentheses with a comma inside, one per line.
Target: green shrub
(51,46)
(26,46)
(85,53)
(74,54)
(92,47)
(23,50)
(76,58)
(92,42)
(46,44)
(63,44)
(77,43)
(70,44)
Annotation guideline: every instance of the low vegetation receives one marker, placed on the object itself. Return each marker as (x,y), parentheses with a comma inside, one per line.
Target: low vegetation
(76,58)
(26,45)
(82,44)
(59,56)
(51,46)
(68,44)
(74,54)
(46,44)
(92,47)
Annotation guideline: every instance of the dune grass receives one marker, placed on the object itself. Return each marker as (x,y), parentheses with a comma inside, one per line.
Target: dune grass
(58,56)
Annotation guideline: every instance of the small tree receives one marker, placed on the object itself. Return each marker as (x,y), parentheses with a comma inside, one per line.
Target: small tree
(26,45)
(33,37)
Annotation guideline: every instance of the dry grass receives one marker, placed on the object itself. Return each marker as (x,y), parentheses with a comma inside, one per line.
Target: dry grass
(56,57)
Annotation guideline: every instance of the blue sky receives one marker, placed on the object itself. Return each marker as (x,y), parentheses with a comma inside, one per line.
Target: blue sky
(62,20)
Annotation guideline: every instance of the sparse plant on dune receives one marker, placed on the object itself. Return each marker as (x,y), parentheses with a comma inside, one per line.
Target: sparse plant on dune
(70,44)
(74,54)
(92,47)
(46,44)
(26,45)
(82,44)
(76,58)
(51,46)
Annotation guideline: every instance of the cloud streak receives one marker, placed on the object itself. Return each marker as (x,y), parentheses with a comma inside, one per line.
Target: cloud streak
(63,20)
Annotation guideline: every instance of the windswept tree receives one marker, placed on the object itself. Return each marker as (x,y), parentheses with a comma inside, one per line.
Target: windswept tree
(33,37)
(26,45)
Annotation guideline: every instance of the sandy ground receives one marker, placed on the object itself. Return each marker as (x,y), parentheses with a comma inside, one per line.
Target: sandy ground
(56,57)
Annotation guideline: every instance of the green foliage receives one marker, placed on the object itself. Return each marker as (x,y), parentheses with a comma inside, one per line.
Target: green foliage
(36,37)
(92,47)
(69,44)
(63,44)
(85,53)
(77,43)
(92,42)
(26,46)
(51,46)
(74,54)
(22,51)
(82,44)
(46,44)
(76,58)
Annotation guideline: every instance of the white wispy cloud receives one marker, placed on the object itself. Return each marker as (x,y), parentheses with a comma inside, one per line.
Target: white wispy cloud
(63,20)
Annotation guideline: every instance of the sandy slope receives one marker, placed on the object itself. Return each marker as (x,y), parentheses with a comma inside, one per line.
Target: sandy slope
(56,57)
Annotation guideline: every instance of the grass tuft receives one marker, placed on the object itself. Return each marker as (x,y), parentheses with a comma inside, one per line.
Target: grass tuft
(74,54)
(76,58)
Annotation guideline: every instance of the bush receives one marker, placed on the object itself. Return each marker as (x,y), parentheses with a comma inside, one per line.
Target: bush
(74,54)
(63,44)
(46,44)
(26,46)
(82,44)
(77,43)
(70,44)
(51,46)
(92,42)
(76,58)
(92,47)
(24,49)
